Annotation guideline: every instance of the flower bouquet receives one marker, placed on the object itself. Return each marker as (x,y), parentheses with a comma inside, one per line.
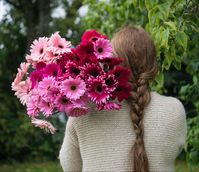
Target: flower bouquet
(59,78)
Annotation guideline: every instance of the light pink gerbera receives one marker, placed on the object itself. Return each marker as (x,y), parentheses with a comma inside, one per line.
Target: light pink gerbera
(43,124)
(23,91)
(22,71)
(102,48)
(73,88)
(58,45)
(46,107)
(97,90)
(39,46)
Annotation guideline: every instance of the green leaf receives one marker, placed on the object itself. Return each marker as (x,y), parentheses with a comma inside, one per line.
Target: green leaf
(165,38)
(171,25)
(181,39)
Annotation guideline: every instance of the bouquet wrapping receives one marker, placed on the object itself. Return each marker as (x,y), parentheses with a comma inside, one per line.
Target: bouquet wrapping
(59,78)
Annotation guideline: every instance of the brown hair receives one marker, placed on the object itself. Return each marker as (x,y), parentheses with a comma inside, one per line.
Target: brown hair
(135,45)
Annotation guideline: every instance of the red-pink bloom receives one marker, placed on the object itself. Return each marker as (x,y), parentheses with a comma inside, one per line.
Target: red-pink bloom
(109,106)
(43,124)
(110,63)
(84,50)
(102,48)
(58,45)
(40,65)
(122,91)
(97,90)
(52,70)
(72,69)
(92,36)
(73,88)
(39,46)
(111,82)
(36,76)
(121,73)
(91,70)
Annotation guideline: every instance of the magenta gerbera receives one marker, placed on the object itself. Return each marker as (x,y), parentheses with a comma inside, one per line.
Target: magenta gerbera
(109,106)
(72,69)
(102,48)
(62,103)
(97,90)
(73,88)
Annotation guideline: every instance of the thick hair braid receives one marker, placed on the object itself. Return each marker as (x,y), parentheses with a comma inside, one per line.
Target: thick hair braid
(140,97)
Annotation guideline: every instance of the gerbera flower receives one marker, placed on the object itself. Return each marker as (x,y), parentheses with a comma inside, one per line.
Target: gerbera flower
(73,88)
(122,74)
(97,90)
(39,46)
(109,106)
(91,70)
(23,91)
(102,48)
(64,58)
(35,77)
(72,69)
(47,88)
(58,45)
(84,50)
(43,124)
(46,107)
(62,103)
(52,70)
(111,82)
(40,65)
(110,63)
(122,91)
(92,36)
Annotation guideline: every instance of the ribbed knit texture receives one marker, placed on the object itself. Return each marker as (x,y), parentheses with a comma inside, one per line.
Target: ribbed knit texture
(101,141)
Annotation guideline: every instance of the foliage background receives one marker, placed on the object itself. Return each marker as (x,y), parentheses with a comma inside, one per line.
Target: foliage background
(173,25)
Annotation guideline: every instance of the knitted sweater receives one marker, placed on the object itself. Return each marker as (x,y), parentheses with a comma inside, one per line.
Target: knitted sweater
(101,141)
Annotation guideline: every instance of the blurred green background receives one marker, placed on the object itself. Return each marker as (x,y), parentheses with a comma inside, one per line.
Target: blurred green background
(173,25)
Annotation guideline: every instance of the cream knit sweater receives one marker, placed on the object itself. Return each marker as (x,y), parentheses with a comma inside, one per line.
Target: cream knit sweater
(101,141)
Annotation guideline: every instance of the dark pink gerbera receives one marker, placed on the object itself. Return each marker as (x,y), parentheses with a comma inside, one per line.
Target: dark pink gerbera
(62,103)
(52,70)
(84,49)
(40,65)
(111,82)
(122,74)
(72,69)
(91,70)
(97,90)
(110,63)
(122,91)
(109,106)
(92,36)
(35,77)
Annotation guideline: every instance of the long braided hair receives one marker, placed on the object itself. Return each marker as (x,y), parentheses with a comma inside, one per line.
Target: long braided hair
(135,45)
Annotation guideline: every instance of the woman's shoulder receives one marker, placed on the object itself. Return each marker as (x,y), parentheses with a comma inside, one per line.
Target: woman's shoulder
(168,105)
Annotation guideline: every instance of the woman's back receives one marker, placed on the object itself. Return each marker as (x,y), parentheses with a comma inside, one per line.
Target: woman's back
(102,140)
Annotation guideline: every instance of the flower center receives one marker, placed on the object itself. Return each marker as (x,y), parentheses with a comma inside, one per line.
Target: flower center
(60,46)
(99,88)
(73,87)
(119,88)
(64,100)
(94,73)
(117,75)
(100,50)
(41,51)
(108,82)
(94,39)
